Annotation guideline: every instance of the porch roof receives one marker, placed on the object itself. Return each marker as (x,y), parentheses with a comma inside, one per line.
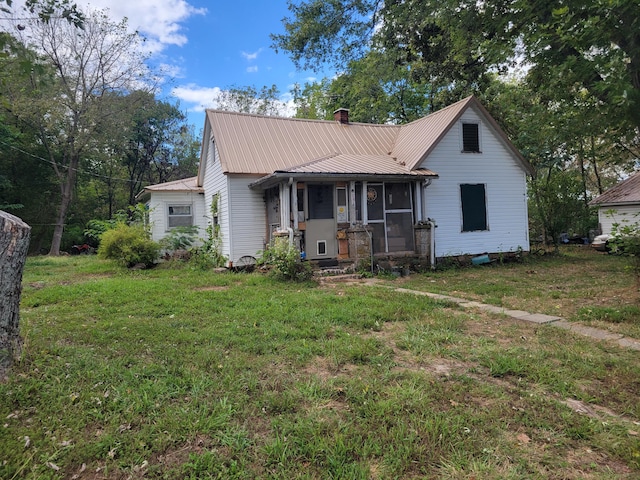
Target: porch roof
(346,167)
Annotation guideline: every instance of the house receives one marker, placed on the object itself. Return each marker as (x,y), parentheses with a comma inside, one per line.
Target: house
(619,205)
(350,191)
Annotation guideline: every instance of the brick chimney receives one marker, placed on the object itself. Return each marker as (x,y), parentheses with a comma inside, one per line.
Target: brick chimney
(341,115)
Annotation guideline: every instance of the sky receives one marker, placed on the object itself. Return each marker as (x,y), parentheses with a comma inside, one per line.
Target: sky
(211,45)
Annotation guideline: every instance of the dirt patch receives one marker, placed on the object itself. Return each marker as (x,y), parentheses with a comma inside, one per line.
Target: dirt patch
(325,369)
(598,412)
(212,288)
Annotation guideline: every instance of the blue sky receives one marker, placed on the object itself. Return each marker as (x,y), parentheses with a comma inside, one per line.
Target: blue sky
(211,45)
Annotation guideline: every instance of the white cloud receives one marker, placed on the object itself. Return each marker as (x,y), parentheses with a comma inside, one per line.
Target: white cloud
(200,98)
(171,71)
(252,69)
(197,96)
(159,20)
(251,56)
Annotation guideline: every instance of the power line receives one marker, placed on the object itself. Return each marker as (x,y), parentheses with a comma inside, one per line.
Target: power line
(50,162)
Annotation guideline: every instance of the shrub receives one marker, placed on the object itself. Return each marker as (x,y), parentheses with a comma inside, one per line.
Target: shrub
(128,245)
(626,241)
(285,261)
(179,238)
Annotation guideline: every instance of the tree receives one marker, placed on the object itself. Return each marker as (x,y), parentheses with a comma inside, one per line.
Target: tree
(14,243)
(249,100)
(142,139)
(573,45)
(68,110)
(45,10)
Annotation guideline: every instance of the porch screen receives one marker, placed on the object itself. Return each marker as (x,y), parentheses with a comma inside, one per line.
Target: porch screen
(320,201)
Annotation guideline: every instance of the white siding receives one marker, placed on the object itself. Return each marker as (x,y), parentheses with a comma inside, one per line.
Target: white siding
(215,182)
(159,209)
(241,211)
(248,218)
(505,190)
(622,215)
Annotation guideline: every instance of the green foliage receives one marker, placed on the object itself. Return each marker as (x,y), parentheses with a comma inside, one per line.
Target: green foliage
(626,241)
(248,99)
(96,228)
(134,215)
(179,238)
(285,261)
(210,254)
(128,245)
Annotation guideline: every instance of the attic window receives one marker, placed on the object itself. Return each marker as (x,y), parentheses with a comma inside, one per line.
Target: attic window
(470,138)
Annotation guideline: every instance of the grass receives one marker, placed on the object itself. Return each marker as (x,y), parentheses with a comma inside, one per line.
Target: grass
(577,284)
(188,374)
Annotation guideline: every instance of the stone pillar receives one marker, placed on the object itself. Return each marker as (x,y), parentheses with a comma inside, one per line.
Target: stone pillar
(422,232)
(359,243)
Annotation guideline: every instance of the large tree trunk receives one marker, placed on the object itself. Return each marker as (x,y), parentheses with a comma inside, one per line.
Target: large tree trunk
(14,244)
(66,190)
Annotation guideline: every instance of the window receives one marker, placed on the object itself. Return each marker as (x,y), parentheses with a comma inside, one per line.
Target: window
(179,216)
(474,207)
(470,138)
(342,212)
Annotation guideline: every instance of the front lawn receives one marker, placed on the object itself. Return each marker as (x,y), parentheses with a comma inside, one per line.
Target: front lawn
(188,374)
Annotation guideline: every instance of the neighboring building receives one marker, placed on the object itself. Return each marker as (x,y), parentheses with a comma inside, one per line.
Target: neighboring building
(343,190)
(619,205)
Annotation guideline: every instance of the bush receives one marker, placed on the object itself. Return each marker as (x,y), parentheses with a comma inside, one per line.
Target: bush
(179,238)
(129,246)
(285,262)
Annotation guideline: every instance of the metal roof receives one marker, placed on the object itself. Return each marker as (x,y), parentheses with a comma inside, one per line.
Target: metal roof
(262,145)
(625,192)
(254,144)
(184,185)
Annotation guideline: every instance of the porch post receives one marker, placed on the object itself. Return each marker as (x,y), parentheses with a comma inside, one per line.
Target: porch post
(294,199)
(365,210)
(423,188)
(352,203)
(418,198)
(285,206)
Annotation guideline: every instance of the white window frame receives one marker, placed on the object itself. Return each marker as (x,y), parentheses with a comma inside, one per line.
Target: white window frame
(179,215)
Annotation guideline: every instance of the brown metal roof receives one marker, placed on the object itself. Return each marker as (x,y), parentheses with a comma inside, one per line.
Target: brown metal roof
(358,164)
(184,185)
(262,145)
(627,191)
(254,144)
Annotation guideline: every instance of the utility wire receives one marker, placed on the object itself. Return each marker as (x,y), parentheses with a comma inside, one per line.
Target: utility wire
(84,172)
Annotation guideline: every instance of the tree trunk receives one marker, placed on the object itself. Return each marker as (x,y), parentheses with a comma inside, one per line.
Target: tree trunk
(14,244)
(66,189)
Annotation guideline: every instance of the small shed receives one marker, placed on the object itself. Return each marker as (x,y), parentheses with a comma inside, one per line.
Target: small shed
(619,205)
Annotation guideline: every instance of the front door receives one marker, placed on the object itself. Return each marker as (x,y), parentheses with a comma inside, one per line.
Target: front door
(320,236)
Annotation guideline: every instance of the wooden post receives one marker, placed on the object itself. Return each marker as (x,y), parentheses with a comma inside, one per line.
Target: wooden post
(14,244)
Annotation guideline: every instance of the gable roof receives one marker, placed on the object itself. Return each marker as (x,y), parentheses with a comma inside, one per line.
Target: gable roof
(625,192)
(417,139)
(256,144)
(264,145)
